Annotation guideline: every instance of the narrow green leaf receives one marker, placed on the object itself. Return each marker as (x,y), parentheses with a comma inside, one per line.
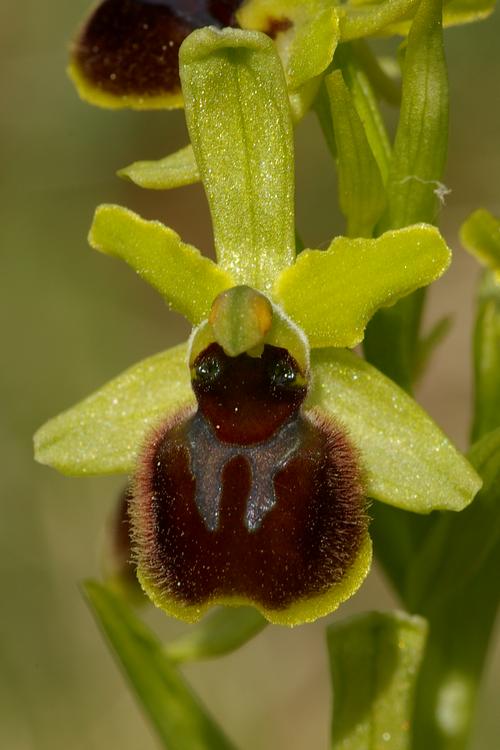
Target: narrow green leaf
(176,713)
(332,294)
(313,45)
(407,461)
(458,544)
(188,282)
(420,147)
(226,630)
(480,235)
(365,20)
(361,191)
(352,63)
(374,663)
(239,121)
(174,170)
(104,432)
(487,358)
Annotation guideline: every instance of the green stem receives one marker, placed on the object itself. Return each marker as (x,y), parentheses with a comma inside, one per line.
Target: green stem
(460,628)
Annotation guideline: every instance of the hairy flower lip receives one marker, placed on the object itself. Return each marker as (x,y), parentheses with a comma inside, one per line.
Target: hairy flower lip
(126,53)
(190,560)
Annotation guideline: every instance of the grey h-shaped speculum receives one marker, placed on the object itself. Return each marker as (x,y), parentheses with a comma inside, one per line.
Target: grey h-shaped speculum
(209,456)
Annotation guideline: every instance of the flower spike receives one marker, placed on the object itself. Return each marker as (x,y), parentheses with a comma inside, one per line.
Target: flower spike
(250,458)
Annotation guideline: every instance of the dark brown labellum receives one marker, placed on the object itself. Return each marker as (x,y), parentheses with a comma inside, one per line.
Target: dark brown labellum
(248,497)
(131,47)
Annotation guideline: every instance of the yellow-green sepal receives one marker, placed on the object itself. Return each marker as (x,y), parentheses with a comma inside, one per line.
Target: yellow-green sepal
(407,461)
(104,433)
(238,116)
(175,170)
(332,294)
(186,280)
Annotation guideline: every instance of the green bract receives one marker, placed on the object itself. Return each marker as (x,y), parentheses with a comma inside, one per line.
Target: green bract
(240,126)
(383,650)
(413,186)
(361,191)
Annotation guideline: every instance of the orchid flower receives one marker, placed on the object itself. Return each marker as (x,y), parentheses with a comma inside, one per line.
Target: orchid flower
(253,448)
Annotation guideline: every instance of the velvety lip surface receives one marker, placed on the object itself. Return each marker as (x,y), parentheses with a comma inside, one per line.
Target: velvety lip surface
(273,519)
(131,47)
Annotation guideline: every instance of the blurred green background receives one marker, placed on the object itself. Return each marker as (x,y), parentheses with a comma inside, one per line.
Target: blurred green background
(72,319)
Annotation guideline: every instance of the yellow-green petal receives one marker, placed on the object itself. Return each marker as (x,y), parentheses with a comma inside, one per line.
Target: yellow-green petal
(407,461)
(238,116)
(305,31)
(174,170)
(360,20)
(455,13)
(365,17)
(104,432)
(374,663)
(332,294)
(186,280)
